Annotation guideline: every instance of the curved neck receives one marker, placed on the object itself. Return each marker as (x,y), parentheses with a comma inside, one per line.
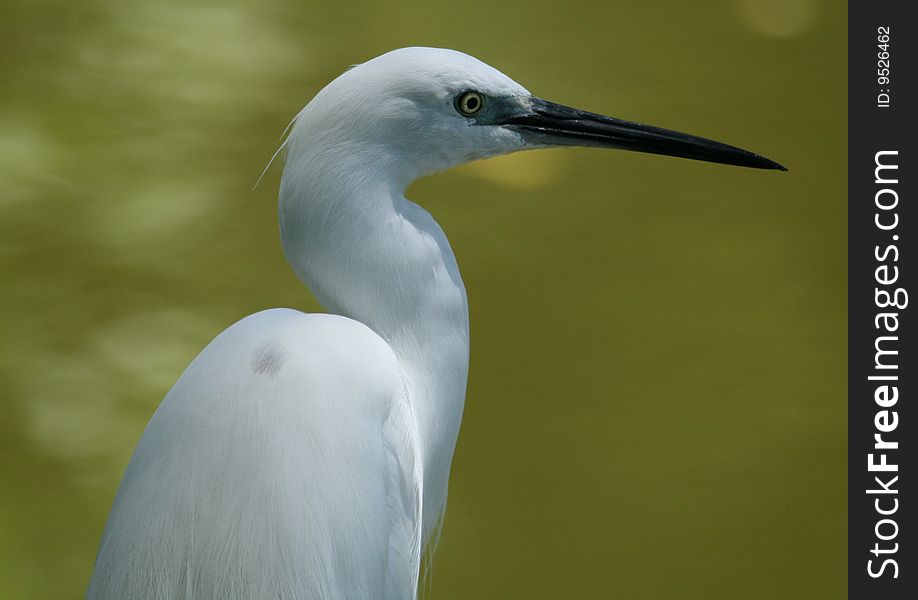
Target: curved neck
(369,254)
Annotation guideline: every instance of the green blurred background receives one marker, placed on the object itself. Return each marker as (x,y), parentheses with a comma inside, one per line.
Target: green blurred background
(657,397)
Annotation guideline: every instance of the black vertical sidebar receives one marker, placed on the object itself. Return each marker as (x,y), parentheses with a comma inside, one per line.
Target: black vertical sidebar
(882,368)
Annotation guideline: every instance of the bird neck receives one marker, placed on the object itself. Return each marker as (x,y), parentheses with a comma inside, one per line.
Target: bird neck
(368,253)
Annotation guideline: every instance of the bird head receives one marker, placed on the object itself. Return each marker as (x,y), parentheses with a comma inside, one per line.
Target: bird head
(430,109)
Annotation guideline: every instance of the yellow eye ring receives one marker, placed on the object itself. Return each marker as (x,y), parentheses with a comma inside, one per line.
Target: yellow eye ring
(469,103)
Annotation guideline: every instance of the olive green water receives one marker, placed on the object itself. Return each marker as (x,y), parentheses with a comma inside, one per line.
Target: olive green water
(657,400)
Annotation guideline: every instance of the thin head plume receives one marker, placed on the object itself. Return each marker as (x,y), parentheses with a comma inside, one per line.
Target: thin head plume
(284,138)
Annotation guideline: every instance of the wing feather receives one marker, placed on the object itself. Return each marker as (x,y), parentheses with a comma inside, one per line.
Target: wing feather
(283,464)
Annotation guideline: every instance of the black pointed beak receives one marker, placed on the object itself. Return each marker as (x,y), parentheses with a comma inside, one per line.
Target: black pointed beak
(556,125)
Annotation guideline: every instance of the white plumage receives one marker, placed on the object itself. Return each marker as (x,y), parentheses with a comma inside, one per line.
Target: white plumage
(307,456)
(225,496)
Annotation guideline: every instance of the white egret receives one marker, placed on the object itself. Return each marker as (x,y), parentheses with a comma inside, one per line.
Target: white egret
(306,456)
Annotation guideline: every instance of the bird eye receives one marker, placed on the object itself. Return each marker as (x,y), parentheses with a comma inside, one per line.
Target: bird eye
(469,103)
